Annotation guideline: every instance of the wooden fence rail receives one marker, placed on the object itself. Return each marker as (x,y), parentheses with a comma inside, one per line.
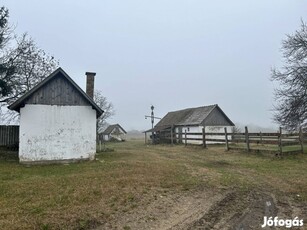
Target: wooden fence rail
(278,142)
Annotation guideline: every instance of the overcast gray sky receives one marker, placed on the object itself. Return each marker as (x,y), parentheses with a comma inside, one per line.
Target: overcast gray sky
(173,54)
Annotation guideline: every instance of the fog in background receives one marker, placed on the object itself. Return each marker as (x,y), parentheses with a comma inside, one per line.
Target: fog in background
(171,54)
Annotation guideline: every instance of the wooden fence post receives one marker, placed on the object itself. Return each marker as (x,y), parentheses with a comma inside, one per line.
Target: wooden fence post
(99,145)
(180,135)
(260,137)
(226,139)
(172,135)
(301,138)
(185,137)
(204,138)
(247,139)
(280,141)
(145,138)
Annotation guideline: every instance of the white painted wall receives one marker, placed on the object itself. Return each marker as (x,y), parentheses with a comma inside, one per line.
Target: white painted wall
(106,137)
(118,137)
(52,132)
(198,129)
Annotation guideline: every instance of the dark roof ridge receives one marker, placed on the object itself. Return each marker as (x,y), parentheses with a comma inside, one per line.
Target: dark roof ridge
(214,105)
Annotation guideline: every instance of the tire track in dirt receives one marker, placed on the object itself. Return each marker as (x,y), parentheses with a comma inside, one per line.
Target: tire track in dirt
(166,211)
(203,209)
(220,215)
(243,211)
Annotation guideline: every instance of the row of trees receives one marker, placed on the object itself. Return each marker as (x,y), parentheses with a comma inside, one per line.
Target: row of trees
(22,65)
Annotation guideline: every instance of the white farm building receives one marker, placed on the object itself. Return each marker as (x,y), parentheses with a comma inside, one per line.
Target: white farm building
(193,120)
(57,120)
(115,132)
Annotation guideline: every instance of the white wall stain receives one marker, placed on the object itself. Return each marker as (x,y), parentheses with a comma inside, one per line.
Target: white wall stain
(52,132)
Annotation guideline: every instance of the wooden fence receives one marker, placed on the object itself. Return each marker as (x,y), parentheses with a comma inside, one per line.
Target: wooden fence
(278,143)
(9,135)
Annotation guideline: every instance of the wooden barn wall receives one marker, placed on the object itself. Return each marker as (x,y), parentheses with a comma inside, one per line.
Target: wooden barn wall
(9,135)
(58,91)
(216,118)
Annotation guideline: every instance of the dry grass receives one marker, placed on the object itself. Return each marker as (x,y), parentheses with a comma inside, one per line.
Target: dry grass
(85,195)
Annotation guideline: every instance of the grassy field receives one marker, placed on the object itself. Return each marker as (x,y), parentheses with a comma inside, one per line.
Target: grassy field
(89,194)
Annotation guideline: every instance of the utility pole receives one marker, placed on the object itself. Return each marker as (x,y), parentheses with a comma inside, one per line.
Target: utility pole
(152,117)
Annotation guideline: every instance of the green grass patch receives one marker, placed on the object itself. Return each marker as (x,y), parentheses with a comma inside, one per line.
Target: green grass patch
(85,194)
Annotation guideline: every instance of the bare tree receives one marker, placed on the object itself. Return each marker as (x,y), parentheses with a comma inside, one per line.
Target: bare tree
(236,129)
(5,33)
(106,106)
(22,65)
(291,96)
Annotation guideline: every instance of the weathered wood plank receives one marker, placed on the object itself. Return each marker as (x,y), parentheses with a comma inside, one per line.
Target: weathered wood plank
(290,134)
(246,139)
(272,142)
(280,141)
(58,91)
(217,134)
(215,140)
(204,137)
(301,139)
(188,138)
(9,135)
(185,137)
(226,139)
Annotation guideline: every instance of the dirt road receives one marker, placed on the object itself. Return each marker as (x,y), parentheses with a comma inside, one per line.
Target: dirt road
(205,209)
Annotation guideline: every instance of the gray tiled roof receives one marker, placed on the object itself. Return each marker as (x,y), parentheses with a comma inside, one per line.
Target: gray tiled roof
(195,116)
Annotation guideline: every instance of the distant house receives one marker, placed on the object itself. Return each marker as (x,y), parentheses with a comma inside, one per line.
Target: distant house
(193,120)
(57,120)
(114,132)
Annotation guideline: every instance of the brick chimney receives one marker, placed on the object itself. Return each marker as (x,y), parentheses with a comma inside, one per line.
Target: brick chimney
(90,77)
